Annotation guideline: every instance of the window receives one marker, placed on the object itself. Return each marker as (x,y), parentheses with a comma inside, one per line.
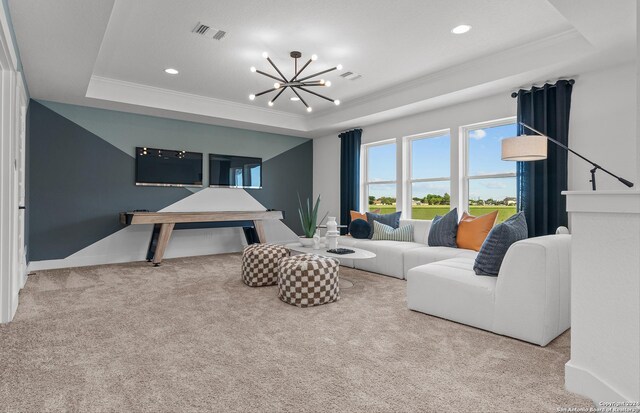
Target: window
(380,185)
(490,181)
(429,174)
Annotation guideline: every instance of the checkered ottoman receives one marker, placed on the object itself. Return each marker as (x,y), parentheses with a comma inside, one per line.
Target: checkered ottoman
(260,264)
(308,280)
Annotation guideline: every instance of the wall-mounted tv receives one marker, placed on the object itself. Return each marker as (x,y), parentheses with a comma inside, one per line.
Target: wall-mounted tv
(235,171)
(162,167)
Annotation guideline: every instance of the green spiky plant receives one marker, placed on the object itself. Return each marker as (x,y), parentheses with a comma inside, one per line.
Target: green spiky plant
(309,217)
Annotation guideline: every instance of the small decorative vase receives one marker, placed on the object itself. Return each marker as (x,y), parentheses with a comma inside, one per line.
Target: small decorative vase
(316,241)
(332,225)
(332,239)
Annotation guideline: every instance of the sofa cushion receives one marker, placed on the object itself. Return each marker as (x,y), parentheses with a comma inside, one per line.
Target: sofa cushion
(359,228)
(420,229)
(426,255)
(498,242)
(472,231)
(393,220)
(450,289)
(444,229)
(389,256)
(385,232)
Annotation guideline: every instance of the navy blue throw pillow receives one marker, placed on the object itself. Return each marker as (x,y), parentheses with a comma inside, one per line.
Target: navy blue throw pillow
(444,230)
(497,243)
(393,220)
(359,229)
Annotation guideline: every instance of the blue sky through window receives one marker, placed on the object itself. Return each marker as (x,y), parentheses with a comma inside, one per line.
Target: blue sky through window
(382,163)
(430,157)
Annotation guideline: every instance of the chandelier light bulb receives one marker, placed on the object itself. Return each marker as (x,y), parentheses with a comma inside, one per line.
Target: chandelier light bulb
(314,57)
(309,109)
(270,103)
(322,81)
(265,54)
(337,102)
(339,67)
(253,69)
(327,83)
(276,85)
(252,96)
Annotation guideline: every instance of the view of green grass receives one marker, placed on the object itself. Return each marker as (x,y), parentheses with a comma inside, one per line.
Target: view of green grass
(430,211)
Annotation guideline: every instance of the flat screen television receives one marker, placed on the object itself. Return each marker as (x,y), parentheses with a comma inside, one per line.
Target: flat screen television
(235,171)
(163,167)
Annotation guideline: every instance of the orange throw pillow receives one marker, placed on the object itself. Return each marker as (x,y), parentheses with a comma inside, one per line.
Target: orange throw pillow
(356,215)
(473,230)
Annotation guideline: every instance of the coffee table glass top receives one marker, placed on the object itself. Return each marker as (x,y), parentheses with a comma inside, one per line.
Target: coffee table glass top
(358,254)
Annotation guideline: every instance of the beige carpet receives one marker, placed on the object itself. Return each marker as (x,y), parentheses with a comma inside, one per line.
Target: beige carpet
(189,336)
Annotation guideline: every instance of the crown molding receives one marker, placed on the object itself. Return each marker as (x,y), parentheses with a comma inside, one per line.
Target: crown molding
(122,91)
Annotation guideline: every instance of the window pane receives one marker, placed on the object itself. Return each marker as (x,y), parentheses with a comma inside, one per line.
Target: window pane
(429,199)
(490,194)
(382,197)
(430,157)
(485,146)
(381,163)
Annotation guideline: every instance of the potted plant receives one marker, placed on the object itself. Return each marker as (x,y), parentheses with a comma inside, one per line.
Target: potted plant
(309,220)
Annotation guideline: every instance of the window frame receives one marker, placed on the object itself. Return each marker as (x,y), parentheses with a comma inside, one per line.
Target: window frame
(408,178)
(364,173)
(465,158)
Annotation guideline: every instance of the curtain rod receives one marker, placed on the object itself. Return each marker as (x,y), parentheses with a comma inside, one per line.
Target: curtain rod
(571,82)
(350,129)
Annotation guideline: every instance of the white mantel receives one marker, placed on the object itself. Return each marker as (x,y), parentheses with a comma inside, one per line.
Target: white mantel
(605,295)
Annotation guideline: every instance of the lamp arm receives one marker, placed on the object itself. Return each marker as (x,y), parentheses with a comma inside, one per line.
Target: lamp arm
(565,147)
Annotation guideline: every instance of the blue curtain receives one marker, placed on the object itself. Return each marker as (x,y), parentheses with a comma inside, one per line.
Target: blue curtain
(349,174)
(540,183)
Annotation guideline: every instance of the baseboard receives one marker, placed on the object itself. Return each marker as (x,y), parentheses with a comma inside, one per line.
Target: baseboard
(14,305)
(583,382)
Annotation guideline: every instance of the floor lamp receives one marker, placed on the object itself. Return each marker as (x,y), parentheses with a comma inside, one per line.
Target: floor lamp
(534,148)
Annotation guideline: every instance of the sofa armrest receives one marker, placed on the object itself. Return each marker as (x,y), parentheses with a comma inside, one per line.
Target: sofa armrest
(532,297)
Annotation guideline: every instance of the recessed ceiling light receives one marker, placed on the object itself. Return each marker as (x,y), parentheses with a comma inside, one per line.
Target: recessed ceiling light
(171,71)
(294,98)
(463,28)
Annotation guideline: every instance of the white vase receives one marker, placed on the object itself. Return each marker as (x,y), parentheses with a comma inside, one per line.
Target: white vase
(316,241)
(332,239)
(332,225)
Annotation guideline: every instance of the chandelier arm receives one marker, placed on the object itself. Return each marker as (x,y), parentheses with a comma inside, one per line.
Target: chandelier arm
(271,76)
(307,84)
(317,94)
(300,71)
(278,95)
(277,70)
(299,97)
(318,74)
(266,91)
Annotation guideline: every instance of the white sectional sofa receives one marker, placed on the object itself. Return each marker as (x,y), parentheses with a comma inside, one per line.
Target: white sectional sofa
(529,300)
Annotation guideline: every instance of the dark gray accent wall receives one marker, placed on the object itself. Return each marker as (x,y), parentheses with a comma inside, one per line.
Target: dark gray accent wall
(285,176)
(78,182)
(77,185)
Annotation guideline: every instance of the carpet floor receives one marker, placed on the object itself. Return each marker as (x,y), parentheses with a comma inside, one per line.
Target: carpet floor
(190,336)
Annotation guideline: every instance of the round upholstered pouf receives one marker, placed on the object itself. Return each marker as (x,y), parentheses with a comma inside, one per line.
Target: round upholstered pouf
(260,264)
(308,280)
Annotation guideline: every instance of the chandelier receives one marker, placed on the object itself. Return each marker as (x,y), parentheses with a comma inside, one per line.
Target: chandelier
(296,83)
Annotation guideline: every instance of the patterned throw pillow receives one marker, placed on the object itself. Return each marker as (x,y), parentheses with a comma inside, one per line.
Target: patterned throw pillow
(385,232)
(498,241)
(393,220)
(444,230)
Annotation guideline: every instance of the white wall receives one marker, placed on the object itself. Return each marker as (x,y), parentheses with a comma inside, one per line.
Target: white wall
(603,127)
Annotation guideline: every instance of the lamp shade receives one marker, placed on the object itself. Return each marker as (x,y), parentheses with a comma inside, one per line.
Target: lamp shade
(524,148)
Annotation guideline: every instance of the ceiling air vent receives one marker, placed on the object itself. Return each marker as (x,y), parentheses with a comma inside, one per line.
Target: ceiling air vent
(205,30)
(350,76)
